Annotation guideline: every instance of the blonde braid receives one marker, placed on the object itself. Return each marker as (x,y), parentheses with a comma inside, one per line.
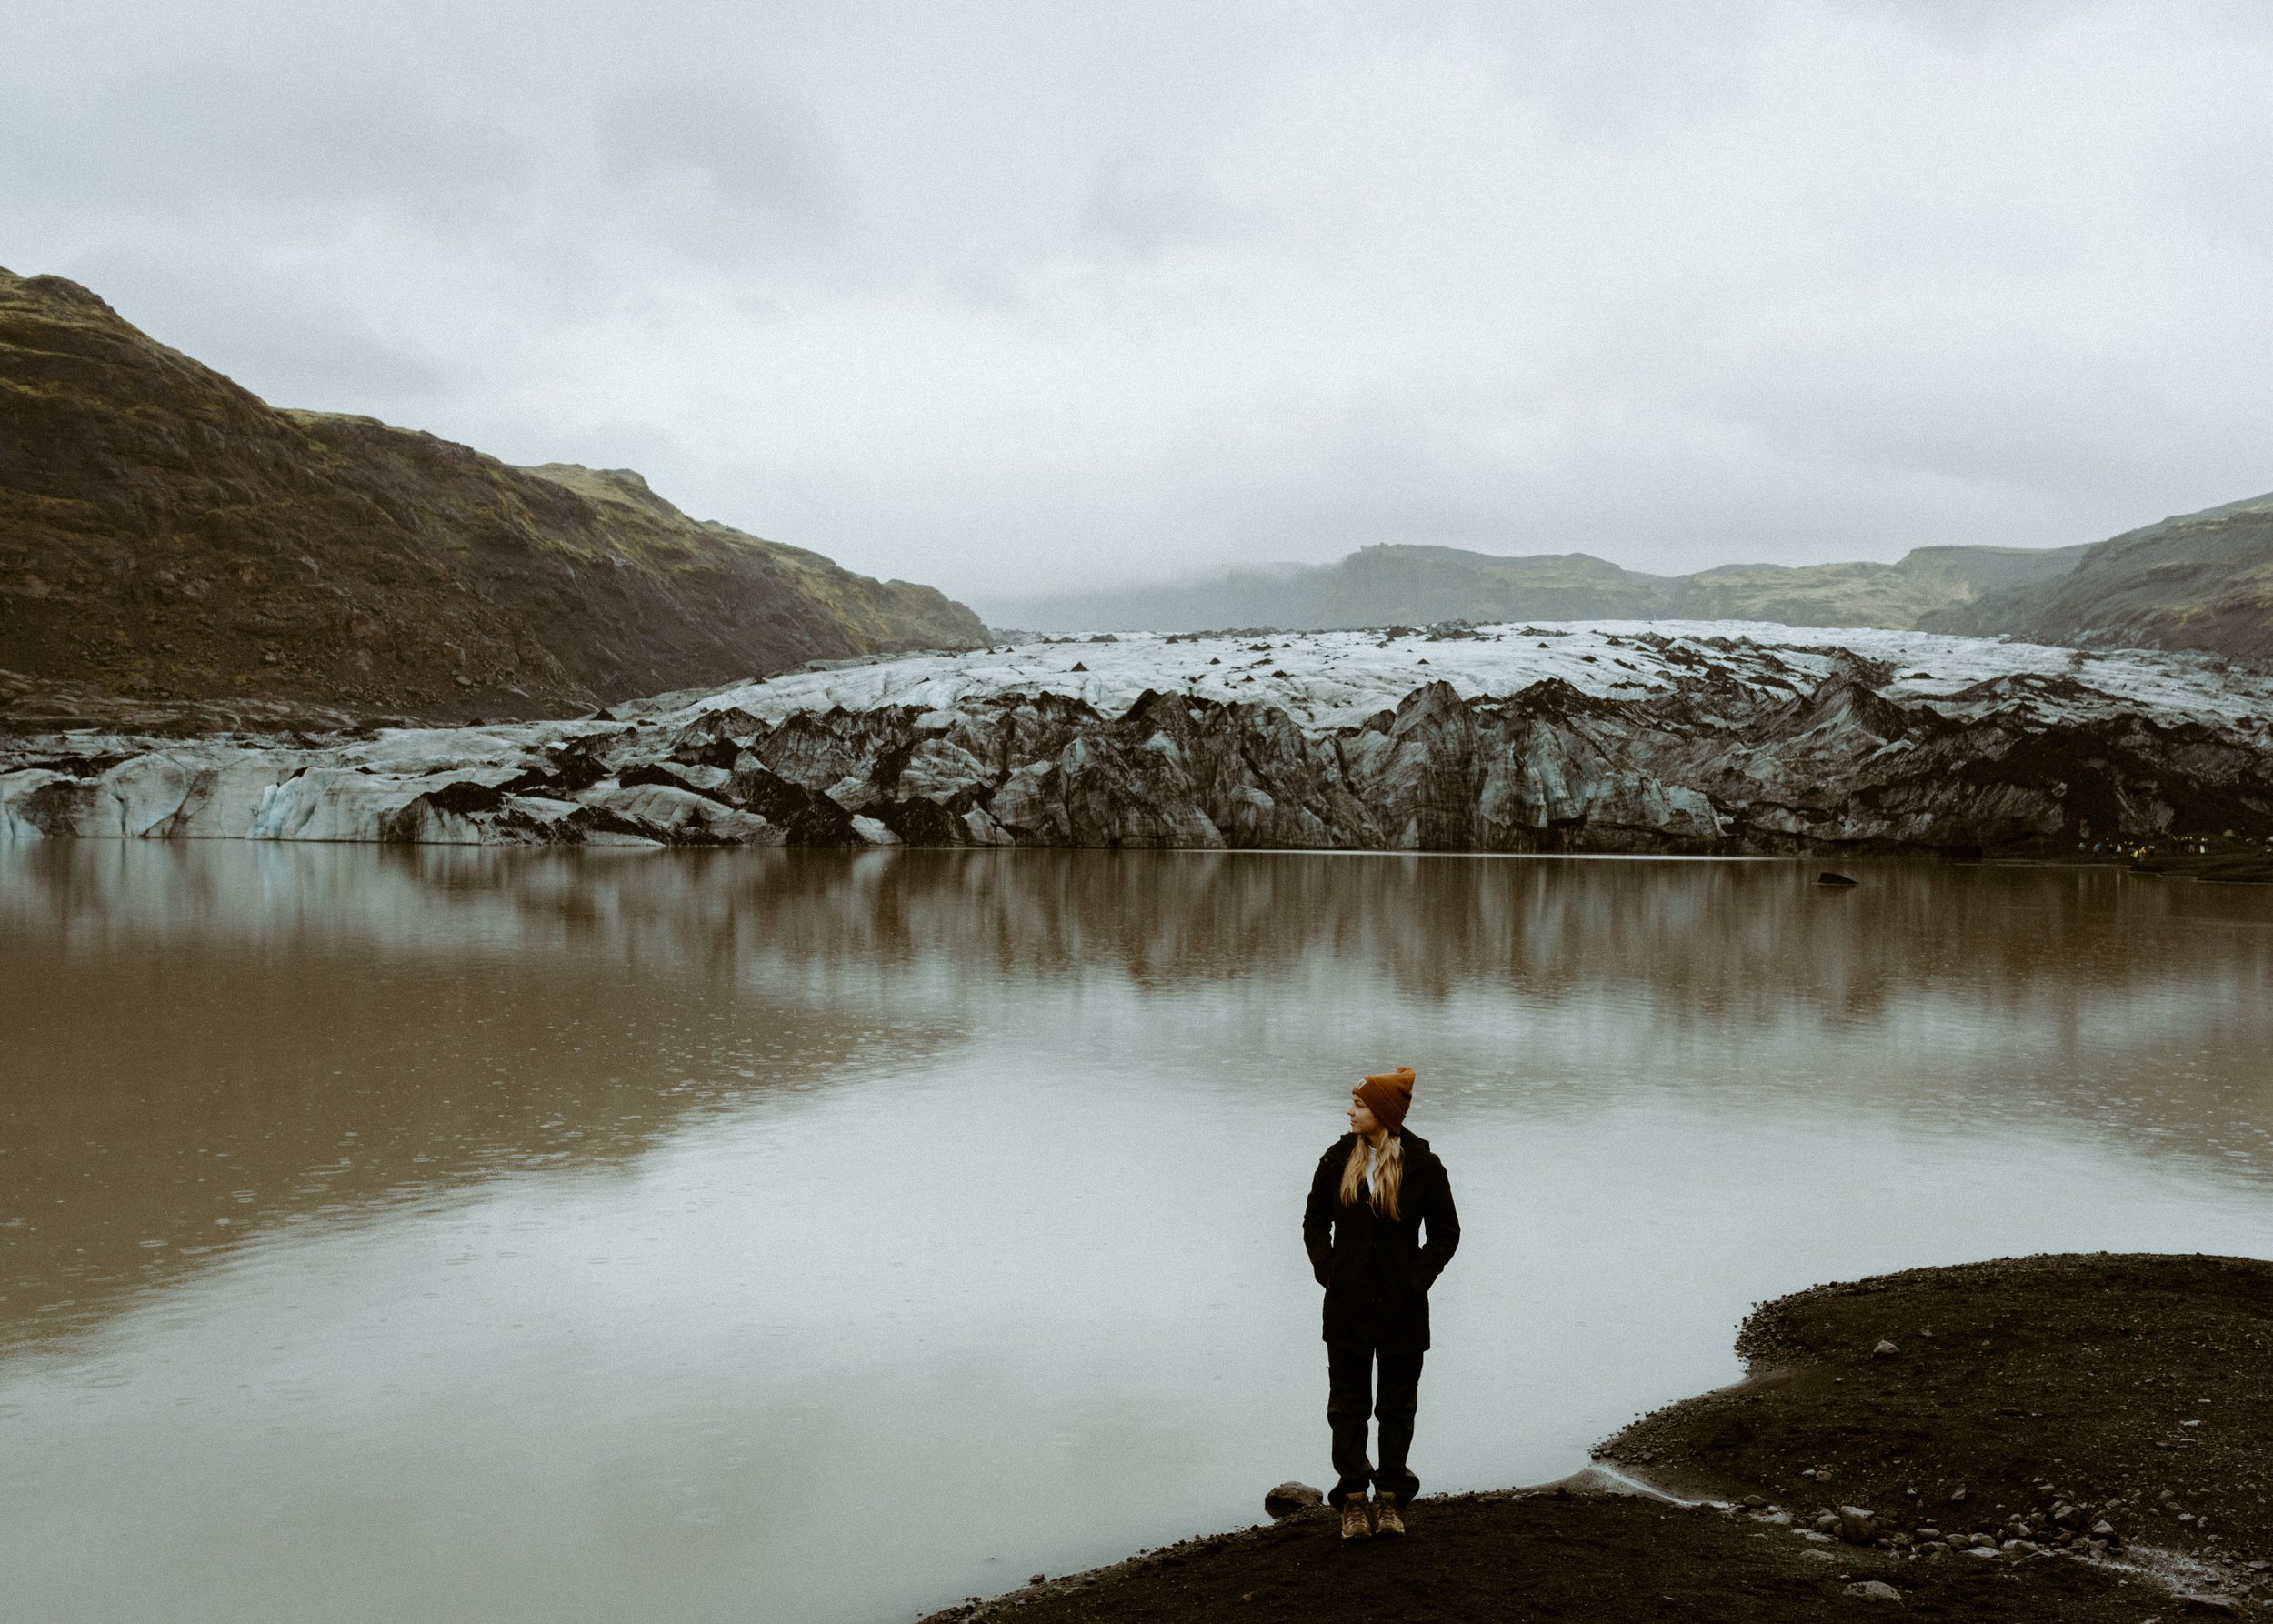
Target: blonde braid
(1382,1155)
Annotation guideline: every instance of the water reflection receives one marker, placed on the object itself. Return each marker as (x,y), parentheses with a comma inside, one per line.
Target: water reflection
(639,1229)
(210,1041)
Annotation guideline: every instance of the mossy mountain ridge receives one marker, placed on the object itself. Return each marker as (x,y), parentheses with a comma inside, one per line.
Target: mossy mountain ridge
(1400,584)
(167,535)
(2200,580)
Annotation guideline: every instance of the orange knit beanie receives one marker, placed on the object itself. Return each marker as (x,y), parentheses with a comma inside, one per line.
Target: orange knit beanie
(1388,1095)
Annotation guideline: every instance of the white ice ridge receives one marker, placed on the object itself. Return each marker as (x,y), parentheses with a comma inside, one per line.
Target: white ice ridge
(651,772)
(1325,680)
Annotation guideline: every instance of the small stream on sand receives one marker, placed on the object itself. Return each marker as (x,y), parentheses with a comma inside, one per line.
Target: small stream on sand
(468,1234)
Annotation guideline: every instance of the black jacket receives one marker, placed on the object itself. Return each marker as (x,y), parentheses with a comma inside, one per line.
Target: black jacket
(1376,1271)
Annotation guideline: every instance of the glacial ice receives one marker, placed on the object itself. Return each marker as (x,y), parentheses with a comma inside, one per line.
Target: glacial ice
(1604,735)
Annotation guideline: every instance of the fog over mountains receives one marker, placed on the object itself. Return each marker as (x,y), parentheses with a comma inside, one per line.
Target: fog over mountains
(1417,586)
(2201,581)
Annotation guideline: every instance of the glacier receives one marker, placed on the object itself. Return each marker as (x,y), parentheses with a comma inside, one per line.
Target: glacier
(1598,735)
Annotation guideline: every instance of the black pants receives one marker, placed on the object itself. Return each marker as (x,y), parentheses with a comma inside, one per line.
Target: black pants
(1351,1399)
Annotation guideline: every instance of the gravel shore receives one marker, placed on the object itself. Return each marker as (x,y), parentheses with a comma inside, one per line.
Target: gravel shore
(2043,1439)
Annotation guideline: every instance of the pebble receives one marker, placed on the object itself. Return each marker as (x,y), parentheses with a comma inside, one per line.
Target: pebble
(1291,1496)
(1875,1590)
(1884,1350)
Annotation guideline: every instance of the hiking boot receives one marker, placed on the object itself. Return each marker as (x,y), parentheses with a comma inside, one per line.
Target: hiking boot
(1356,1524)
(1386,1521)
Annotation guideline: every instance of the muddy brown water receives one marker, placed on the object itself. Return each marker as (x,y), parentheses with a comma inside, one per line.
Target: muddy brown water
(469,1236)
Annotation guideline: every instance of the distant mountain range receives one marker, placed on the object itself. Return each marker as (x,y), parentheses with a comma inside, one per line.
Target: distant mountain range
(2202,581)
(166,536)
(1420,585)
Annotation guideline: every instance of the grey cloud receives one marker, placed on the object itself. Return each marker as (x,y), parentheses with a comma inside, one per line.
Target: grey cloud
(721,153)
(307,345)
(1144,207)
(1090,293)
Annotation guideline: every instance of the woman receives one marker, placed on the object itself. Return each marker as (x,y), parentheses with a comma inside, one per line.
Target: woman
(1373,1194)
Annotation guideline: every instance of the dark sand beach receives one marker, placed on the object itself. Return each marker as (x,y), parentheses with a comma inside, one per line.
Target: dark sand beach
(2090,1429)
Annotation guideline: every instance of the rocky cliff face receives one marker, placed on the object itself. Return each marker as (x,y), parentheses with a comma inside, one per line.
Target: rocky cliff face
(1554,739)
(167,537)
(2201,580)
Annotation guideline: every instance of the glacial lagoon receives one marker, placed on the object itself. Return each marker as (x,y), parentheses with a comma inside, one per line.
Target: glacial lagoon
(470,1235)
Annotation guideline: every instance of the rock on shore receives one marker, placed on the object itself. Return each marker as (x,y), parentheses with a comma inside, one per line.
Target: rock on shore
(1699,737)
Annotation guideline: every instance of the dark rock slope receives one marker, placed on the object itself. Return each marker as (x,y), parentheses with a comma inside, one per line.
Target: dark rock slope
(2201,580)
(1700,745)
(167,535)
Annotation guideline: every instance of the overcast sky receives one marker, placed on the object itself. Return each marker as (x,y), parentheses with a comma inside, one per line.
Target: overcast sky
(1011,297)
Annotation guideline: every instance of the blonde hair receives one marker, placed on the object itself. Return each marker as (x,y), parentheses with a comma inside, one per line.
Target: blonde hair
(1381,1154)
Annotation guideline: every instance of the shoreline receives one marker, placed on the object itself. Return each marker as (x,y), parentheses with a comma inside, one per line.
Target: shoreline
(2068,1437)
(2240,869)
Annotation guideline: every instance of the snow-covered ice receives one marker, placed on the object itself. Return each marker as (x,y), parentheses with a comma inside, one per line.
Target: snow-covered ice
(1335,679)
(399,783)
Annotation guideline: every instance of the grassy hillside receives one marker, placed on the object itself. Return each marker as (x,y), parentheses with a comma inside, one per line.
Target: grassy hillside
(1381,586)
(166,535)
(2201,580)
